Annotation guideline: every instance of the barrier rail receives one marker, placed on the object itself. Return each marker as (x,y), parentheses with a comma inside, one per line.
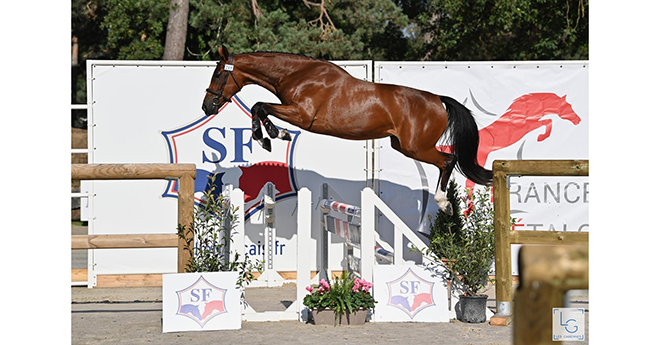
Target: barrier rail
(185,173)
(345,221)
(303,250)
(505,237)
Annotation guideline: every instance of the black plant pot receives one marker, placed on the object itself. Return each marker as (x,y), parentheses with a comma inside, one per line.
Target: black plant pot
(473,308)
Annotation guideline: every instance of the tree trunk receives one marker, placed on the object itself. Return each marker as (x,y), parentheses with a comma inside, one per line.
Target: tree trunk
(177,26)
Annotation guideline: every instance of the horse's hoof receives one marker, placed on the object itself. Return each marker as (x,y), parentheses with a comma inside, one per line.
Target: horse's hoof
(445,207)
(448,210)
(443,203)
(284,135)
(265,143)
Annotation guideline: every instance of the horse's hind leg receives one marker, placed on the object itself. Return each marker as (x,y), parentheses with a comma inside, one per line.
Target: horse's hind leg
(440,197)
(444,161)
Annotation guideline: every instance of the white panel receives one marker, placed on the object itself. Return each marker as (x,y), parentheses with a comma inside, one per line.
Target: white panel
(150,112)
(511,127)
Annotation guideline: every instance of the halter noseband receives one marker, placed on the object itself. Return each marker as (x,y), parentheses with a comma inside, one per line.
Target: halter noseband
(229,67)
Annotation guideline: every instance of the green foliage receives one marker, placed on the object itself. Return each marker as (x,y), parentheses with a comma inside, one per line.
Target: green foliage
(209,238)
(468,251)
(344,295)
(136,28)
(468,30)
(370,29)
(506,30)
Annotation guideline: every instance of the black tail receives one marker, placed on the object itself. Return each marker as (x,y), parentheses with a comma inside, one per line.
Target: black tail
(464,136)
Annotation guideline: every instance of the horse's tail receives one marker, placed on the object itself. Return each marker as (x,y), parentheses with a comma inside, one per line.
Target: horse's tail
(464,137)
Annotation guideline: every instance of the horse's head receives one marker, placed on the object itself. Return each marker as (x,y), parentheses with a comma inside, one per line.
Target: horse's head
(537,105)
(223,84)
(559,106)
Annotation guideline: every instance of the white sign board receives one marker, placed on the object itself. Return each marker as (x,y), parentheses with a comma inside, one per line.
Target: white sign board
(150,112)
(201,301)
(409,294)
(524,110)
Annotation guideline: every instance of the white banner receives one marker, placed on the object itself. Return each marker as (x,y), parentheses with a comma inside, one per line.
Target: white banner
(150,112)
(524,110)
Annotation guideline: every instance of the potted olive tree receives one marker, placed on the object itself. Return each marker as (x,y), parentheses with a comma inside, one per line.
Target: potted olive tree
(465,245)
(208,296)
(213,226)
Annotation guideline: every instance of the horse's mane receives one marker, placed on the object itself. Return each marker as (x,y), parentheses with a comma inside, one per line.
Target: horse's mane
(284,53)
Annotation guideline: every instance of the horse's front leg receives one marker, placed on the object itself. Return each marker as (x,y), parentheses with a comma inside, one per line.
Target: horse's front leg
(256,130)
(262,111)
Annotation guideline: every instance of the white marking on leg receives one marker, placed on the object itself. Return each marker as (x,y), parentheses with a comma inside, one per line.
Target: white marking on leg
(284,134)
(442,201)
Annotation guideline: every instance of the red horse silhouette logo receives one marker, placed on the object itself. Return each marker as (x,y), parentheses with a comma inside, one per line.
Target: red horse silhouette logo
(523,116)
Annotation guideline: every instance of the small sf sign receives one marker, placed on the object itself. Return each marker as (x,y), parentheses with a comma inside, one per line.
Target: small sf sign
(201,301)
(409,294)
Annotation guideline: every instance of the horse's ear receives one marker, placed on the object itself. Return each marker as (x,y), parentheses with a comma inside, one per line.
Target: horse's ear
(224,53)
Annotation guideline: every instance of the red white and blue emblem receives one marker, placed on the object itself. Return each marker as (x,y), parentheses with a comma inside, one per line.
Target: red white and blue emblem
(222,144)
(410,293)
(201,301)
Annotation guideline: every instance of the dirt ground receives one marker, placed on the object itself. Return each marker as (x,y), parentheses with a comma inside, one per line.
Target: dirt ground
(134,315)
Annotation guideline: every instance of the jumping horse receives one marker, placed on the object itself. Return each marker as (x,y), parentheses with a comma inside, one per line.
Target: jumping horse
(321,97)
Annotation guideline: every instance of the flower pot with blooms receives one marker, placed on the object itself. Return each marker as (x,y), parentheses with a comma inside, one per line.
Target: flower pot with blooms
(346,301)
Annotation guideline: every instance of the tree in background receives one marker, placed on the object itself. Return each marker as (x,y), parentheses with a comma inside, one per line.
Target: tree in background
(442,30)
(505,30)
(177,26)
(321,29)
(338,29)
(136,28)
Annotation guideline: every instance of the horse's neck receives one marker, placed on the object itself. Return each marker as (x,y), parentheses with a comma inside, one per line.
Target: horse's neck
(265,70)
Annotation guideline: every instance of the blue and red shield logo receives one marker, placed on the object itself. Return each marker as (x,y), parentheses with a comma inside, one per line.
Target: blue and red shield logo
(201,301)
(222,145)
(410,293)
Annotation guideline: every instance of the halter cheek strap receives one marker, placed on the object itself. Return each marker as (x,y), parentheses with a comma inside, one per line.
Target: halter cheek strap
(229,67)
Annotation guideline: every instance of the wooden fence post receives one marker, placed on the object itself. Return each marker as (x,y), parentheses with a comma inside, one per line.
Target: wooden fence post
(185,173)
(186,203)
(501,204)
(504,236)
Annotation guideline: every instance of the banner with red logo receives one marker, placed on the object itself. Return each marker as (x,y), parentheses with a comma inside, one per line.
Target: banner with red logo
(524,110)
(150,112)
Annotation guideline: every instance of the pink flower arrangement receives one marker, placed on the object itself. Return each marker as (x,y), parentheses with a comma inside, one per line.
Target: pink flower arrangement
(323,287)
(361,284)
(344,295)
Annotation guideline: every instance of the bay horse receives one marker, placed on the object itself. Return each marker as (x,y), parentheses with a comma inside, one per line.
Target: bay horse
(321,97)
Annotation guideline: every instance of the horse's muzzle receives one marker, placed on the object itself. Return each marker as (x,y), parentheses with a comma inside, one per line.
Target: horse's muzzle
(211,108)
(207,111)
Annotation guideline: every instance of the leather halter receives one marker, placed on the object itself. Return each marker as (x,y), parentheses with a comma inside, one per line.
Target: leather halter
(229,67)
